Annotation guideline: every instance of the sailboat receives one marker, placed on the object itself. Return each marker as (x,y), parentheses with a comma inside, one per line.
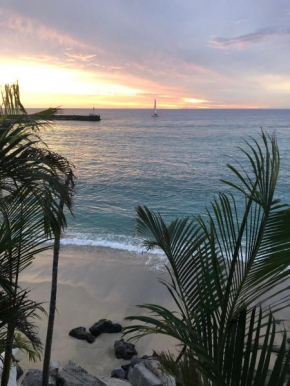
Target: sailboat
(155,115)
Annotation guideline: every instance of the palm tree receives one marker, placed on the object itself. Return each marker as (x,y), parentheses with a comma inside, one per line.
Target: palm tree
(228,275)
(31,185)
(52,307)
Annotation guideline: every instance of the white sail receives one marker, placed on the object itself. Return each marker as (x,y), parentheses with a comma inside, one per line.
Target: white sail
(155,115)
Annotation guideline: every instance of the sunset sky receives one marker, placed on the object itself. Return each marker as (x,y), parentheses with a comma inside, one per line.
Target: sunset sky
(124,53)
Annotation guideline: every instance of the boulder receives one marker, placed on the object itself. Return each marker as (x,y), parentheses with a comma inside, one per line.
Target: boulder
(114,381)
(105,326)
(135,360)
(124,349)
(32,378)
(154,366)
(82,334)
(140,375)
(118,372)
(77,376)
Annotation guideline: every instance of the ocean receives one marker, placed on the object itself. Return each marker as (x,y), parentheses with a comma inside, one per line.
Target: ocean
(172,164)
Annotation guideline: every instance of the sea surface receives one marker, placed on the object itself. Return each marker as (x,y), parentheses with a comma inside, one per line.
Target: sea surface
(172,164)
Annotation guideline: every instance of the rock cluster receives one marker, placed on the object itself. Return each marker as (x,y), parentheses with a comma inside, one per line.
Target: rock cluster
(145,371)
(82,334)
(100,327)
(105,326)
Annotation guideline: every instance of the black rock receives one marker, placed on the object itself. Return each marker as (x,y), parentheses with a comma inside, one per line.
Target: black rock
(82,334)
(105,326)
(118,373)
(126,367)
(124,350)
(60,381)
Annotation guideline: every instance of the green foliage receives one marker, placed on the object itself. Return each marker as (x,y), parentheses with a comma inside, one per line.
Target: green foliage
(228,277)
(31,187)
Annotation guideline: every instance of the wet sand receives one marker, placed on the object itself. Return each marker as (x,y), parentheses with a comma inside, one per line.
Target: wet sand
(95,283)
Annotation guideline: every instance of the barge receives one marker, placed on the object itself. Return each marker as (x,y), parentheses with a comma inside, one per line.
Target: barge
(89,118)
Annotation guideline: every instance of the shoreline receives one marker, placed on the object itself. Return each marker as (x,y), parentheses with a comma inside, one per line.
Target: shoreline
(86,294)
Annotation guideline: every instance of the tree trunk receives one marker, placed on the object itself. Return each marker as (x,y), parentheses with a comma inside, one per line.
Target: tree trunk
(52,307)
(8,356)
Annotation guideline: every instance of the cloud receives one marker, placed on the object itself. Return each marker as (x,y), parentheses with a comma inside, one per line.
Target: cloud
(12,22)
(40,58)
(247,40)
(106,67)
(81,57)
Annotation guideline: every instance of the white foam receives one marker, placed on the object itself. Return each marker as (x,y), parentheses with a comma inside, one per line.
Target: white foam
(120,242)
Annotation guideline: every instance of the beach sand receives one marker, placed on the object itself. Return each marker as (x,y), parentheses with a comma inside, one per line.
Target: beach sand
(100,283)
(95,283)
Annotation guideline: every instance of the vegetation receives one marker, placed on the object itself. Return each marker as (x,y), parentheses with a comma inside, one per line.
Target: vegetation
(32,187)
(228,275)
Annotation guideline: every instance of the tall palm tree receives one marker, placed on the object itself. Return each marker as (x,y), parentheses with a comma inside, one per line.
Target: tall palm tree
(32,185)
(228,275)
(52,306)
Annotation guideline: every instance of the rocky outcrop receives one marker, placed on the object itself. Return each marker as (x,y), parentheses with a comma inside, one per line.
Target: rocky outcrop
(32,378)
(145,371)
(149,373)
(154,366)
(124,349)
(114,381)
(105,326)
(77,376)
(139,375)
(82,334)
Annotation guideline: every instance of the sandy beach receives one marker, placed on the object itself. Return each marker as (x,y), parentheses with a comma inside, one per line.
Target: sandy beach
(95,283)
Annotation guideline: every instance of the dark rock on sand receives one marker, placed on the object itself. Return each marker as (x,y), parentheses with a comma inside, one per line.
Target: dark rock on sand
(82,334)
(118,373)
(124,350)
(105,326)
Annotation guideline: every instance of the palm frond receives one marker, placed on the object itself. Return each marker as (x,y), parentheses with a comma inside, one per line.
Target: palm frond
(223,268)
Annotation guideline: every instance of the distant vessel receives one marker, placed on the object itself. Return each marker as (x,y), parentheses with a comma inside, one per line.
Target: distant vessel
(155,115)
(92,117)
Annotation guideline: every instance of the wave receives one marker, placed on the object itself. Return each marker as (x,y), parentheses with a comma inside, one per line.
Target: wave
(120,242)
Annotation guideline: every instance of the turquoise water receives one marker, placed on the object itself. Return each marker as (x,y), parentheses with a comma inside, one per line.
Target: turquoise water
(172,164)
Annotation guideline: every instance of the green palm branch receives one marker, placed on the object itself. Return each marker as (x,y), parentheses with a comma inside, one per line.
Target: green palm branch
(32,184)
(228,277)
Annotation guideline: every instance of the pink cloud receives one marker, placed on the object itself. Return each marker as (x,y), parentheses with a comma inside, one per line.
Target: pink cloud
(247,40)
(11,21)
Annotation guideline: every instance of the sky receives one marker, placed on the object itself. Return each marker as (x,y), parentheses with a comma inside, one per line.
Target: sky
(125,53)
